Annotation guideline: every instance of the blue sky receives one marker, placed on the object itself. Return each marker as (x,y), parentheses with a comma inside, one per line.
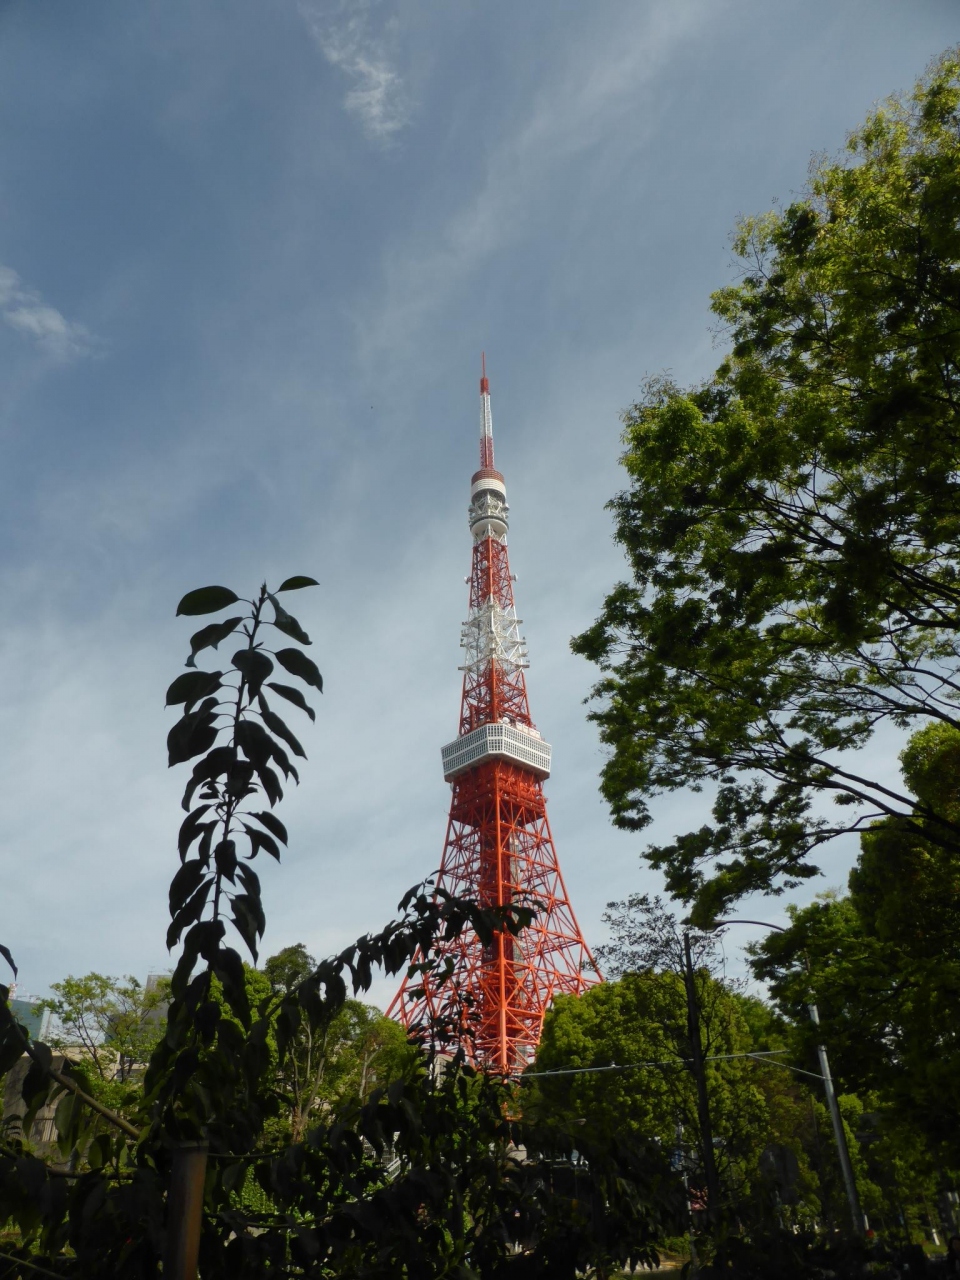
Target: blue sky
(249,255)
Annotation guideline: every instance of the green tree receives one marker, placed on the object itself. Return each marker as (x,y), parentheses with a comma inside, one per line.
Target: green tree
(792,525)
(630,1034)
(856,981)
(112,1026)
(884,966)
(340,1062)
(630,1038)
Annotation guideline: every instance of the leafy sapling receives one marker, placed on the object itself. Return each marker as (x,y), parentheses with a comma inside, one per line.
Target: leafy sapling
(241,747)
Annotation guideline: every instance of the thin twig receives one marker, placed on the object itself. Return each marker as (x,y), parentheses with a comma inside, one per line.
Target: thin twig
(31,1266)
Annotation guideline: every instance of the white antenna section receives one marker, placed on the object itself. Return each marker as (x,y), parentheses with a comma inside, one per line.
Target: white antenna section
(492,633)
(486,417)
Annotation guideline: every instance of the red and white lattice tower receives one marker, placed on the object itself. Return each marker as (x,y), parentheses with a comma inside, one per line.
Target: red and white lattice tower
(498,843)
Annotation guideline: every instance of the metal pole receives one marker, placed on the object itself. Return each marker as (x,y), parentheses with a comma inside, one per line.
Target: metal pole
(853,1198)
(185,1210)
(699,1073)
(681,1156)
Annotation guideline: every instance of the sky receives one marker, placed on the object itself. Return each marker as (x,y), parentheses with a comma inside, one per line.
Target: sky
(249,256)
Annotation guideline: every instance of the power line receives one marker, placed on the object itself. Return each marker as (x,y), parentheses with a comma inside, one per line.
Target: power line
(640,1066)
(814,1075)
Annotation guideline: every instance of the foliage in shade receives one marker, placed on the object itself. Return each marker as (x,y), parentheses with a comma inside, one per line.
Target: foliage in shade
(793,525)
(883,960)
(347,1057)
(640,1021)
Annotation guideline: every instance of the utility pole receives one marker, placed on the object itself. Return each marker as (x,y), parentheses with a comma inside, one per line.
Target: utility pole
(853,1198)
(700,1075)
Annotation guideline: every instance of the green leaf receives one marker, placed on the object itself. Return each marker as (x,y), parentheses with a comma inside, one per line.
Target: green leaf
(9,958)
(190,828)
(293,695)
(225,859)
(276,725)
(98,1152)
(286,623)
(271,784)
(260,840)
(255,666)
(278,610)
(249,920)
(297,583)
(207,1019)
(65,1119)
(186,882)
(189,913)
(292,628)
(192,686)
(206,840)
(193,734)
(249,879)
(211,636)
(273,824)
(283,760)
(228,967)
(255,743)
(217,762)
(240,779)
(298,664)
(259,747)
(206,600)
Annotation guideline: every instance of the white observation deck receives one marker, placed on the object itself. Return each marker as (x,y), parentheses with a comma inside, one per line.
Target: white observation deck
(500,741)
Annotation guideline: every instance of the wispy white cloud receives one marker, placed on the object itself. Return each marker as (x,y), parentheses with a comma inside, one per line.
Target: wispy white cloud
(593,105)
(24,309)
(353,39)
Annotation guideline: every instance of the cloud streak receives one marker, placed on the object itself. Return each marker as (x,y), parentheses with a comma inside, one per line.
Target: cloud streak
(24,310)
(350,41)
(594,100)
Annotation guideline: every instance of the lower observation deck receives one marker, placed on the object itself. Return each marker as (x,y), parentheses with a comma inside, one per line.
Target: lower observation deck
(499,741)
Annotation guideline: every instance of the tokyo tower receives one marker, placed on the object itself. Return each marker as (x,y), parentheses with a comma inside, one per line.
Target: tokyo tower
(498,842)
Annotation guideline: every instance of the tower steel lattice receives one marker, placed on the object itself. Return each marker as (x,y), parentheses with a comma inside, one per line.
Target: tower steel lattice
(498,843)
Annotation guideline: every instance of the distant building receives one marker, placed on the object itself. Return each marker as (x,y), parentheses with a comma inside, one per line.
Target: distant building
(43,1132)
(36,1021)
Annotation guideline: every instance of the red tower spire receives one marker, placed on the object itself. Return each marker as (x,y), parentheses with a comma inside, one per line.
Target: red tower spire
(498,842)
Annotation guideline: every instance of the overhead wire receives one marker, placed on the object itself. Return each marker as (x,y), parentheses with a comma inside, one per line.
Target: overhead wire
(801,1071)
(639,1066)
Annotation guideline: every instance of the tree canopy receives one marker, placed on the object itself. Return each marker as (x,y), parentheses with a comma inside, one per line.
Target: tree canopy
(338,1063)
(115,1024)
(629,1037)
(883,961)
(793,524)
